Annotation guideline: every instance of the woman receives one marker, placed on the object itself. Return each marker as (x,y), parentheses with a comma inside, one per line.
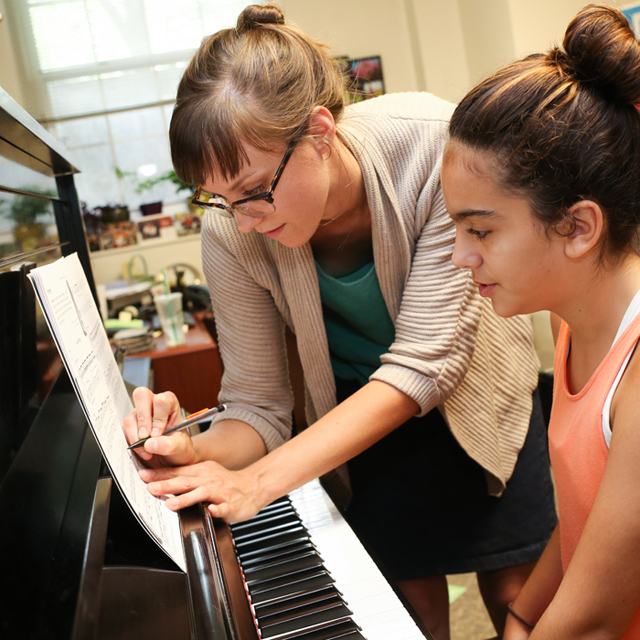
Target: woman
(332,222)
(542,177)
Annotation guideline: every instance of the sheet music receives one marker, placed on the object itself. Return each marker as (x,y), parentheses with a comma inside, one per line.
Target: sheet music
(75,323)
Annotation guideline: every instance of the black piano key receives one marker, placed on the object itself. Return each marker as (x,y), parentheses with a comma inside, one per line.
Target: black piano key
(312,619)
(303,582)
(278,510)
(272,541)
(260,574)
(265,525)
(294,576)
(280,524)
(288,604)
(293,551)
(303,609)
(343,630)
(276,503)
(275,545)
(292,594)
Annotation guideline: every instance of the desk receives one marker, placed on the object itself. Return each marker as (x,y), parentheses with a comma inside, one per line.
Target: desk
(192,371)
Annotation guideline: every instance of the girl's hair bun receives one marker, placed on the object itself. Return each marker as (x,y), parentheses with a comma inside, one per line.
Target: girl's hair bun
(601,49)
(256,15)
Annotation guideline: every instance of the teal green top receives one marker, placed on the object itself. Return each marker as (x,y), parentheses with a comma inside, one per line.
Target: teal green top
(359,328)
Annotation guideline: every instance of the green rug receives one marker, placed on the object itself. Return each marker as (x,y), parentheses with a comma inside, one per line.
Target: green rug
(455,592)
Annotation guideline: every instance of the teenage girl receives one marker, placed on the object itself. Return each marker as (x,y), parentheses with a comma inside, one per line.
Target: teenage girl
(542,179)
(331,221)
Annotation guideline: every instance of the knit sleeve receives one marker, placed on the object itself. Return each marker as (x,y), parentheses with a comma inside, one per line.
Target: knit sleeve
(255,382)
(438,318)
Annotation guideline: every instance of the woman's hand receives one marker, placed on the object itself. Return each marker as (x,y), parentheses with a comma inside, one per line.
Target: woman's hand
(153,413)
(231,495)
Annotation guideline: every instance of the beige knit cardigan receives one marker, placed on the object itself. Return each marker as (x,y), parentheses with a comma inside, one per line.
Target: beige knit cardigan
(451,350)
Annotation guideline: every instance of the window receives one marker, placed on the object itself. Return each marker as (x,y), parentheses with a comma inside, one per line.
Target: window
(102,76)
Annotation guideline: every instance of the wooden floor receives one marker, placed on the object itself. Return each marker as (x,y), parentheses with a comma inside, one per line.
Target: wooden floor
(469,618)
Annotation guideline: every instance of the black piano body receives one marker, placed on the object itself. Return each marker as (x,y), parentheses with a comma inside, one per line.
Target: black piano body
(74,562)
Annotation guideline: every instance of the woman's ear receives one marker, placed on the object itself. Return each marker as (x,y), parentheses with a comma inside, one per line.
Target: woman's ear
(322,128)
(588,221)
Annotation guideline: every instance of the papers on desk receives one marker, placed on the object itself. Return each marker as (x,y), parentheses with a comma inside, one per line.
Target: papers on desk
(75,323)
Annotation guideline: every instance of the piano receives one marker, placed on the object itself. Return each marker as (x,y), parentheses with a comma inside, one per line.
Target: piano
(75,563)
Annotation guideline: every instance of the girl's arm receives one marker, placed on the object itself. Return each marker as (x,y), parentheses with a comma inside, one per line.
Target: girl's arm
(600,593)
(350,428)
(537,592)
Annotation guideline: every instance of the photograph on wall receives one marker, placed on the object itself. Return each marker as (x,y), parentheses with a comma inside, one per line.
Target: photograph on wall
(187,223)
(364,77)
(156,226)
(118,234)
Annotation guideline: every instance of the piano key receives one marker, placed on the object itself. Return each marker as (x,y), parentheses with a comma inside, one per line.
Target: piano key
(272,541)
(281,569)
(343,630)
(306,581)
(292,551)
(296,596)
(376,607)
(260,532)
(313,617)
(290,604)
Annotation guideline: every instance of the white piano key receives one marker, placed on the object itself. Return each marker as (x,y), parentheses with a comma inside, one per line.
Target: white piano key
(376,607)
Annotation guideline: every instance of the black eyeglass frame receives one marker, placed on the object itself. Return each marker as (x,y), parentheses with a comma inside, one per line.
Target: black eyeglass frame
(265,195)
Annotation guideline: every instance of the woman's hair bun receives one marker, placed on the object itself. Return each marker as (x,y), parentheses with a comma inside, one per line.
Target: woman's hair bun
(256,15)
(601,49)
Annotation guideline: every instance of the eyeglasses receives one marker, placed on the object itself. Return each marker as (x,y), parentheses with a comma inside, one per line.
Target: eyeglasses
(256,206)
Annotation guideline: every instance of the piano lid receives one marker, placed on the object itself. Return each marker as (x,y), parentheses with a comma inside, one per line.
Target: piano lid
(25,141)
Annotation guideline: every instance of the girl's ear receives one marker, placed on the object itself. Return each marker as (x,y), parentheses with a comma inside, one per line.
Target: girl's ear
(589,226)
(322,127)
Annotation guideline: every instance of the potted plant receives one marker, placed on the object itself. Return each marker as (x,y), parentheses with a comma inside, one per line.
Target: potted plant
(25,211)
(150,184)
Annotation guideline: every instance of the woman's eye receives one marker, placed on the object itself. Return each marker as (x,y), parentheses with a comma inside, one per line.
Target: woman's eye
(479,234)
(253,192)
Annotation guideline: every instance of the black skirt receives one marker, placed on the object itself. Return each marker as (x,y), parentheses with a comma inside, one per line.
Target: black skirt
(421,506)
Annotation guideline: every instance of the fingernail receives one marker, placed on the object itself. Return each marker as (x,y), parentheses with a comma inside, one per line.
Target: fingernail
(156,432)
(143,432)
(145,474)
(152,447)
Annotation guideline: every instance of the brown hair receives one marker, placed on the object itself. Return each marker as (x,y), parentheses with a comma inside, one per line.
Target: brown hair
(563,127)
(257,83)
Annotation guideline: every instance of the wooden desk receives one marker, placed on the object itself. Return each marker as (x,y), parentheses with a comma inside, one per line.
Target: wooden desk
(192,371)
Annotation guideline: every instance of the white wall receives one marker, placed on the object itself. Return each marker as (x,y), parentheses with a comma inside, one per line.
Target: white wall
(443,46)
(361,28)
(10,76)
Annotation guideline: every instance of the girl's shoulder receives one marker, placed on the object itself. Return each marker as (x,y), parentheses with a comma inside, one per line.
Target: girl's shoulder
(625,404)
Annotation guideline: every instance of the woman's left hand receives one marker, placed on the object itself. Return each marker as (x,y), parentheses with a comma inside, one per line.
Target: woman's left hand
(231,495)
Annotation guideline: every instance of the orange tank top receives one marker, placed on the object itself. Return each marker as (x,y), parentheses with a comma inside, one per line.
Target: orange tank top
(577,445)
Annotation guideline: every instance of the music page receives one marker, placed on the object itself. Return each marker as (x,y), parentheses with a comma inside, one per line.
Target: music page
(75,323)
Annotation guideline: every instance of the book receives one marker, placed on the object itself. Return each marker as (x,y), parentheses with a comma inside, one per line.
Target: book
(71,313)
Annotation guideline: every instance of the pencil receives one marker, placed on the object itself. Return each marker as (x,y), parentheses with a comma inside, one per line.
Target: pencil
(194,418)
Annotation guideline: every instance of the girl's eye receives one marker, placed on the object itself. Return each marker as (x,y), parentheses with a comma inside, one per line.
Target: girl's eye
(479,234)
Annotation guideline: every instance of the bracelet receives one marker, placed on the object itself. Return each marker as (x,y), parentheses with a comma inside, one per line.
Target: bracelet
(519,618)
